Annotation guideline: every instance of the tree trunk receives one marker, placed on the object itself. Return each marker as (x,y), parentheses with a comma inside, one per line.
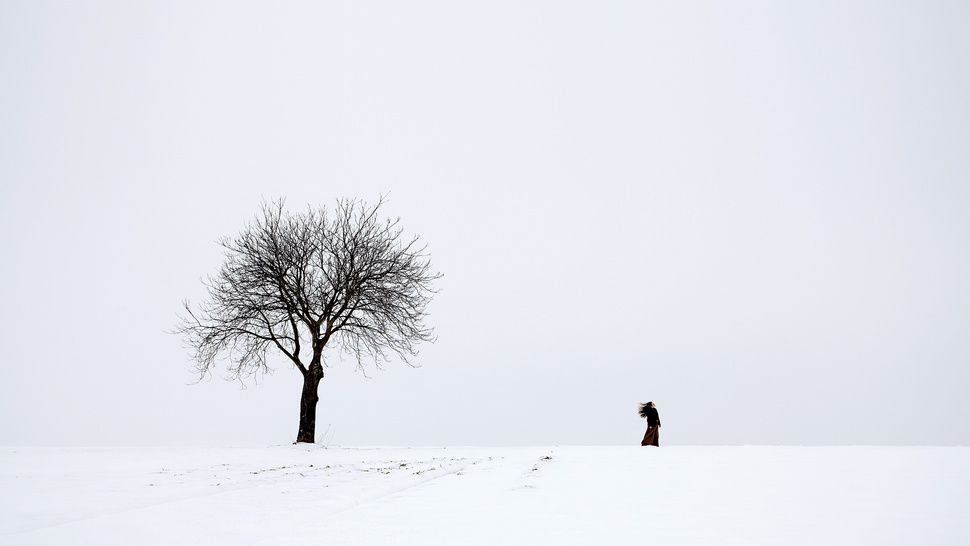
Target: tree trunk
(308,404)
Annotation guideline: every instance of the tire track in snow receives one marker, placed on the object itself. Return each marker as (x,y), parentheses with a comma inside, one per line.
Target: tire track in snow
(432,476)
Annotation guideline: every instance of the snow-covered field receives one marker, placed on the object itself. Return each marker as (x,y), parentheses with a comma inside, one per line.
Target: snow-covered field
(294,495)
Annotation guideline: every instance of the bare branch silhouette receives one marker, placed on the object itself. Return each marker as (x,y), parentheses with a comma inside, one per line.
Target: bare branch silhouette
(299,283)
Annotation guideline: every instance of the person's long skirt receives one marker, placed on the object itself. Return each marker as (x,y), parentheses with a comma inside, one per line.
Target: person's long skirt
(651,437)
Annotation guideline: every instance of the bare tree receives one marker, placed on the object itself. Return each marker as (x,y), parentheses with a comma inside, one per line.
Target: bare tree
(300,283)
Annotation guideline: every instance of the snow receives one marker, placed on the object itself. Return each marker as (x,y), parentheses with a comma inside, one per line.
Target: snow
(297,495)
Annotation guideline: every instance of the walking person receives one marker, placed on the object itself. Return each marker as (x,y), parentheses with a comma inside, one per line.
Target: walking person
(652,436)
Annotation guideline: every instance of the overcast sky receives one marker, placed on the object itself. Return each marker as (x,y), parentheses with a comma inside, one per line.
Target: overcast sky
(756,214)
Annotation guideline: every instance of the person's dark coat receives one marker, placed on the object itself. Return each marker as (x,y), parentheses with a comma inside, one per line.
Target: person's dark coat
(652,436)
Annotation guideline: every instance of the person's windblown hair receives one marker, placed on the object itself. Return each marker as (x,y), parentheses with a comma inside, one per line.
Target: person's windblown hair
(643,409)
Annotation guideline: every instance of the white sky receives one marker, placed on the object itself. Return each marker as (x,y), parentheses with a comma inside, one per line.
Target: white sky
(755,214)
